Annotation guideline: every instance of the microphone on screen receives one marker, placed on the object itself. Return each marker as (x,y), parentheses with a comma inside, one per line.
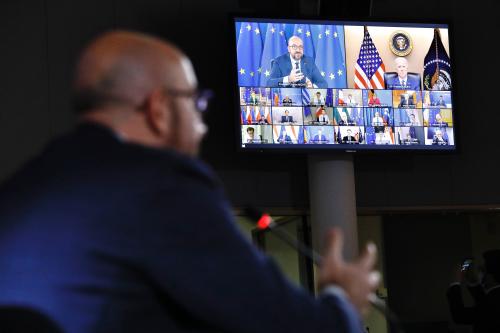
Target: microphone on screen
(266,222)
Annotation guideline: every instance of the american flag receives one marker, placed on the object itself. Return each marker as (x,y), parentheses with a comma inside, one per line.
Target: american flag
(369,70)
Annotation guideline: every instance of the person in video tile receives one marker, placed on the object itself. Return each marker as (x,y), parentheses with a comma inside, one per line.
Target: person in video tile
(439,139)
(374,100)
(349,138)
(286,118)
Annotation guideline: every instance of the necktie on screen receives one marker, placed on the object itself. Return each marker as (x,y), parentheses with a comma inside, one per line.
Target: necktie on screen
(403,83)
(296,65)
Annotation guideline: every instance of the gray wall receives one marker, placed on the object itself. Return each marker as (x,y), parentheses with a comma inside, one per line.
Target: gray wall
(41,38)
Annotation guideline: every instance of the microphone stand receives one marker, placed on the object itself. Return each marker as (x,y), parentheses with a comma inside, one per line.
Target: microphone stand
(266,222)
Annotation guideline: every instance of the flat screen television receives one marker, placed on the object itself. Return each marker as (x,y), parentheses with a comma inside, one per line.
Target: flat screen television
(346,85)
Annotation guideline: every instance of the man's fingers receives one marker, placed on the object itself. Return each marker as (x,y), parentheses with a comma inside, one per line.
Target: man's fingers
(374,279)
(369,256)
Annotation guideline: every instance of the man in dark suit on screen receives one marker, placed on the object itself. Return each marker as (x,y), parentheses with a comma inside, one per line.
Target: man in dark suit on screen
(440,102)
(295,68)
(439,139)
(287,101)
(320,137)
(403,81)
(286,118)
(349,138)
(118,227)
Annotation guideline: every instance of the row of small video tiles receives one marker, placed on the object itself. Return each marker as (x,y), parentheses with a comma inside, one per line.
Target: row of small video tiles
(340,116)
(377,135)
(344,97)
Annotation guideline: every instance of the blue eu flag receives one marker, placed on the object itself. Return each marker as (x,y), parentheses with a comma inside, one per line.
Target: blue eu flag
(301,135)
(274,46)
(303,31)
(370,135)
(330,55)
(282,136)
(329,97)
(249,53)
(437,66)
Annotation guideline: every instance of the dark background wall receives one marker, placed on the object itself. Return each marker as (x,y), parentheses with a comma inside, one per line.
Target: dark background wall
(41,39)
(419,266)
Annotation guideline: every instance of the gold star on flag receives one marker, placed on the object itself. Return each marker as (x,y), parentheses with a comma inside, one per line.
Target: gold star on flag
(249,27)
(332,76)
(308,34)
(273,30)
(335,34)
(251,73)
(242,71)
(327,32)
(281,32)
(267,73)
(322,73)
(257,31)
(259,69)
(299,30)
(339,72)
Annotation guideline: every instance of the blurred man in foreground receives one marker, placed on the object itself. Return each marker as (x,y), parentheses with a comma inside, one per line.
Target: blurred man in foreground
(117,227)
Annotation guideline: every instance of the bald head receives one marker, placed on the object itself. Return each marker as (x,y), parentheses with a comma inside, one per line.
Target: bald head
(124,67)
(142,88)
(296,47)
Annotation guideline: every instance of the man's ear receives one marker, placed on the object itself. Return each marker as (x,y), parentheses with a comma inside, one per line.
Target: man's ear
(158,113)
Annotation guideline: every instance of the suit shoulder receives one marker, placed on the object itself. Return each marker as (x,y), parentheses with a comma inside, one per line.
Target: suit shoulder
(282,58)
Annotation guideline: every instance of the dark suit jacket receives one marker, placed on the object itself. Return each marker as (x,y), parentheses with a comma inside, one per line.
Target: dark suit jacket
(439,103)
(254,101)
(285,139)
(107,236)
(411,83)
(282,66)
(320,139)
(349,139)
(406,102)
(286,119)
(483,316)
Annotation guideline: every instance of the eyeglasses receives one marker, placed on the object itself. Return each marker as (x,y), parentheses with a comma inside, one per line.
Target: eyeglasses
(297,47)
(201,97)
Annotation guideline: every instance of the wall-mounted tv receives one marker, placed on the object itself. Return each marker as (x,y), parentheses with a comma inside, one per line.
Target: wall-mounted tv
(315,84)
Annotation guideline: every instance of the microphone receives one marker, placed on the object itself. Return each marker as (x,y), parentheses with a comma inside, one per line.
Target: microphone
(266,222)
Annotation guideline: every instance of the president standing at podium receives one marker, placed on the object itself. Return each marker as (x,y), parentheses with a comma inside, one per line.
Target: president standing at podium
(295,68)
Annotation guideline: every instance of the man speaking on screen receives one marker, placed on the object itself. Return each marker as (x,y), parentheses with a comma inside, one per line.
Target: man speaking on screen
(295,69)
